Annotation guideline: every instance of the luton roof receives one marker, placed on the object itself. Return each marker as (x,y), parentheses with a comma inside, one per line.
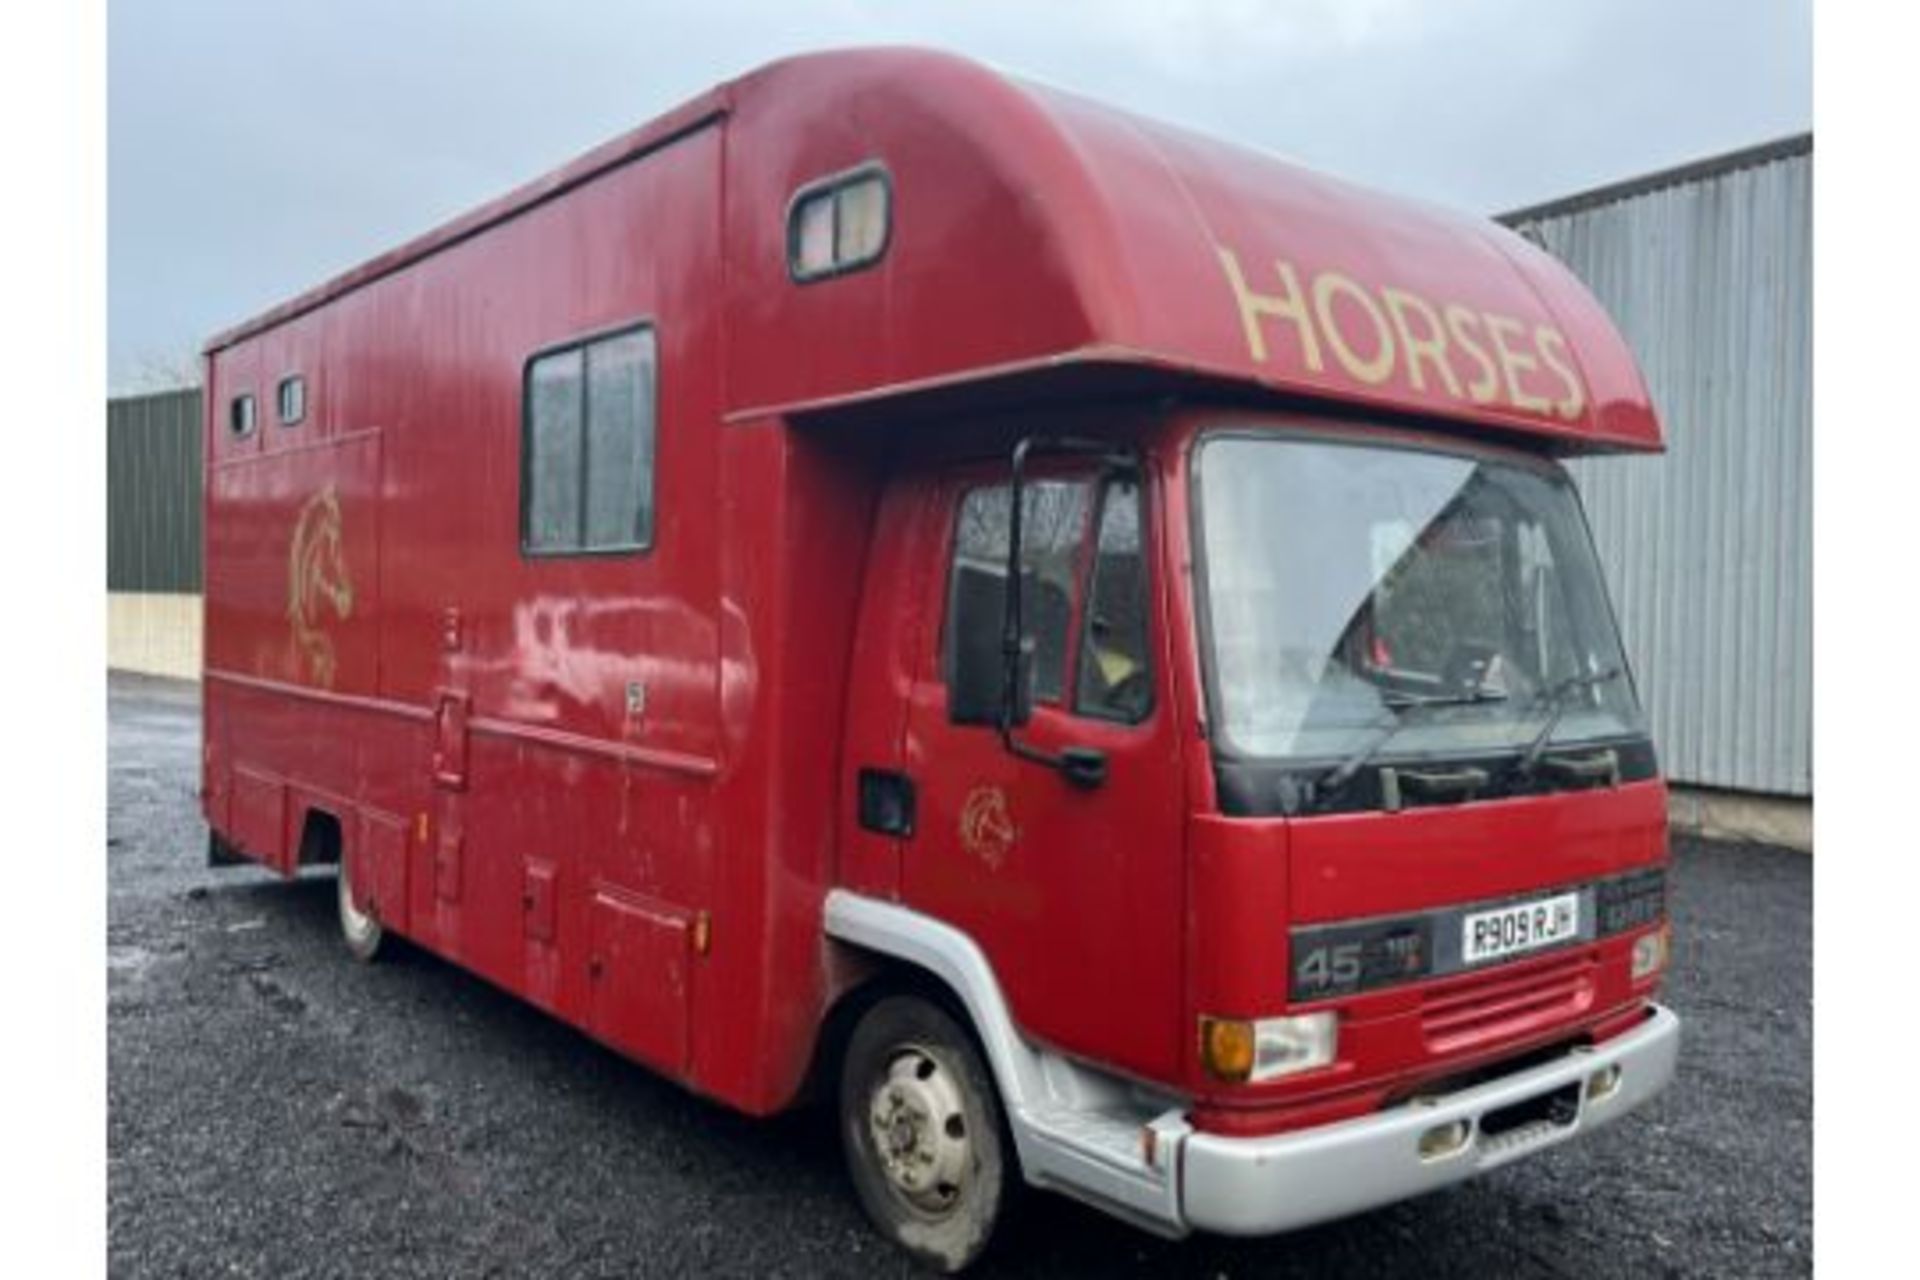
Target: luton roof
(1033,229)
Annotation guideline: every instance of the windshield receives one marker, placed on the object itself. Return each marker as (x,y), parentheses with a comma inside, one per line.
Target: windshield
(1451,602)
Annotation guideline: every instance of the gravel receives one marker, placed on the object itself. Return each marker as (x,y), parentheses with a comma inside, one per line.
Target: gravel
(275,1109)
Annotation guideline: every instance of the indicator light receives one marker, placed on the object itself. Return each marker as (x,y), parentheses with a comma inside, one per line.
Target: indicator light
(1226,1047)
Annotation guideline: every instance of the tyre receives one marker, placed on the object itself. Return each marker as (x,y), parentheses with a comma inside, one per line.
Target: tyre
(360,929)
(925,1141)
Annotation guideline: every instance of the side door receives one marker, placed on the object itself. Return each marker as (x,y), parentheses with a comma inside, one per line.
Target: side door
(1074,893)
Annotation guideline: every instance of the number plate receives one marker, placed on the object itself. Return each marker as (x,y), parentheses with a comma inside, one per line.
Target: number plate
(1515,930)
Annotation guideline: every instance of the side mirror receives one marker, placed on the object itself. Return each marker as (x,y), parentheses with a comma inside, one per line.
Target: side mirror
(977,676)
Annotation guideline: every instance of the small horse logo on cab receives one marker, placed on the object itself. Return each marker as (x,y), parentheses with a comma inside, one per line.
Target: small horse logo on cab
(986,826)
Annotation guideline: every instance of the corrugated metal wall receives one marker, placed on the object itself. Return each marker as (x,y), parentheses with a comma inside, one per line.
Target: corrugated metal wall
(153,493)
(1709,273)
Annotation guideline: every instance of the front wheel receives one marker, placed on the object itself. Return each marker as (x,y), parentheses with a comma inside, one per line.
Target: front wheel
(360,929)
(923,1134)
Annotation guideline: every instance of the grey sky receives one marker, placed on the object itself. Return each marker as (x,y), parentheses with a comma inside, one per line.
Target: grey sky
(257,148)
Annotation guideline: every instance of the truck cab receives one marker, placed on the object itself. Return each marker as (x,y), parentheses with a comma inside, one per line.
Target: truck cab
(1301,846)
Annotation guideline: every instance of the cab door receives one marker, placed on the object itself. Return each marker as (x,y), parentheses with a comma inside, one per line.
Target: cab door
(1073,892)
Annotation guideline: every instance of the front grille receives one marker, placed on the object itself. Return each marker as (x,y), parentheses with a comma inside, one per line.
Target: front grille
(1502,1003)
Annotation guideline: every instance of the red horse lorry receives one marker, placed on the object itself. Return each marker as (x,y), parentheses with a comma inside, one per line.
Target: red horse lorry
(1068,637)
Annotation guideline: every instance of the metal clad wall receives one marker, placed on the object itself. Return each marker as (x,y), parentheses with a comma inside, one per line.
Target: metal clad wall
(153,492)
(1708,550)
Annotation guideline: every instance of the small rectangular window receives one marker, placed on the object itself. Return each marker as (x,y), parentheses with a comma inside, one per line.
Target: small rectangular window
(588,446)
(1115,681)
(813,247)
(555,393)
(860,221)
(292,396)
(839,224)
(240,416)
(619,441)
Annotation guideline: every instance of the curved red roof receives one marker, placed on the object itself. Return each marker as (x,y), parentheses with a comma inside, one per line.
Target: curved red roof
(1033,227)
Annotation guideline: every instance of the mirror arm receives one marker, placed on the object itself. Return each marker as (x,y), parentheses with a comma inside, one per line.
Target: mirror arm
(1013,627)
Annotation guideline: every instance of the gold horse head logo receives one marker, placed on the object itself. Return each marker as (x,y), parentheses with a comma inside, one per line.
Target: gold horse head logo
(317,581)
(986,826)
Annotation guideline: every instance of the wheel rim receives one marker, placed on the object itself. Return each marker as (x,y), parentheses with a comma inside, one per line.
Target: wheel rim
(359,926)
(917,1119)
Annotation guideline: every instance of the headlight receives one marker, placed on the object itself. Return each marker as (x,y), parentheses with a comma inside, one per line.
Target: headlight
(1650,953)
(1240,1050)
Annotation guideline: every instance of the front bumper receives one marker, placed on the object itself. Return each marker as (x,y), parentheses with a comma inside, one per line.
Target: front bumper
(1258,1186)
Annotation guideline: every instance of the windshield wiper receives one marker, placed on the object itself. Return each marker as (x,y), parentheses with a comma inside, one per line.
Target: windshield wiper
(1329,783)
(1557,698)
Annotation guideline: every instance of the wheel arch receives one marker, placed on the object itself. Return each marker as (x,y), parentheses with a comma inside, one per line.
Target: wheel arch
(866,977)
(1044,1097)
(903,951)
(323,837)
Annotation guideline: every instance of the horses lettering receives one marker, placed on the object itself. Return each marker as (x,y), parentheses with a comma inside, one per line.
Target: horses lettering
(1380,335)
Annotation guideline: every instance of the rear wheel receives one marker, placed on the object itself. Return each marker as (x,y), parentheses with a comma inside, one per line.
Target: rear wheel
(922,1129)
(360,929)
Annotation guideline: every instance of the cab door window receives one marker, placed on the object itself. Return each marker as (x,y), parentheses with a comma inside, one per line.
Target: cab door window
(1053,535)
(1084,597)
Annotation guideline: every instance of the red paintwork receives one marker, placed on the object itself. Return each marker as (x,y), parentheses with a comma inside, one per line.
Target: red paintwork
(462,712)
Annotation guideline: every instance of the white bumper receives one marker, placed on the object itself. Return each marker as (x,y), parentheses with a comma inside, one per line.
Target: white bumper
(1258,1186)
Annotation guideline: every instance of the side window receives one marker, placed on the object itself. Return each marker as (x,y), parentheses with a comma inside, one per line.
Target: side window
(1054,517)
(839,224)
(587,448)
(1115,679)
(241,417)
(292,397)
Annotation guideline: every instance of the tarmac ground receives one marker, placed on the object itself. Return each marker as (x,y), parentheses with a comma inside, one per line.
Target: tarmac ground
(278,1110)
